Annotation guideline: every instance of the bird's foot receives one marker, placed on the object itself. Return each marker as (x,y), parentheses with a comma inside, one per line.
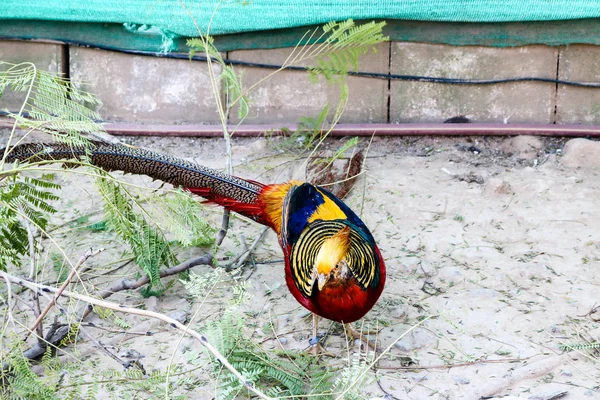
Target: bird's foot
(354,334)
(317,349)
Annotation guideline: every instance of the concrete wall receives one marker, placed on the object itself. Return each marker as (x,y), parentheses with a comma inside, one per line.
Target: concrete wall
(46,56)
(166,91)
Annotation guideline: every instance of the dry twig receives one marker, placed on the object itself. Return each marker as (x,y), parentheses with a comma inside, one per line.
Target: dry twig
(11,319)
(34,297)
(59,291)
(123,284)
(99,346)
(243,256)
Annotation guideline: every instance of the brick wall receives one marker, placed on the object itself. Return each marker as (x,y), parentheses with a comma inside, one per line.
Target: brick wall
(167,91)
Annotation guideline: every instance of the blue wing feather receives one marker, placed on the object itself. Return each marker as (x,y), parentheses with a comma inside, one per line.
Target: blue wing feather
(301,202)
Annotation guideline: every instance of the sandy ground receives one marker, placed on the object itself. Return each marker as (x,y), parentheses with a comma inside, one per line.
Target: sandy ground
(492,250)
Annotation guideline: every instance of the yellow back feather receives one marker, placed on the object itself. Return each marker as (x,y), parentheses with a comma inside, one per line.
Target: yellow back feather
(327,211)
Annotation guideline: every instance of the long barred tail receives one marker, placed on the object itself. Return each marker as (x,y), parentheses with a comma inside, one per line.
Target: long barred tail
(231,192)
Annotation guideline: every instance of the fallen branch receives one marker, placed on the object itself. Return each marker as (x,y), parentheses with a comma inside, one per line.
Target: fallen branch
(224,226)
(123,284)
(145,313)
(128,284)
(59,336)
(55,335)
(120,331)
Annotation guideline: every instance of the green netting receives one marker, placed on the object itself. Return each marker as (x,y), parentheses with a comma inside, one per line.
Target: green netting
(232,16)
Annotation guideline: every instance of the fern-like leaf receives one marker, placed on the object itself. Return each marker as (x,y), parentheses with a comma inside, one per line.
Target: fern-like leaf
(181,214)
(351,379)
(52,104)
(281,373)
(20,382)
(344,45)
(231,81)
(151,250)
(23,199)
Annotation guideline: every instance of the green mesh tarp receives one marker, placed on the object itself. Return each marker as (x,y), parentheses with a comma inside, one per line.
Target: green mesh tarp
(142,24)
(177,16)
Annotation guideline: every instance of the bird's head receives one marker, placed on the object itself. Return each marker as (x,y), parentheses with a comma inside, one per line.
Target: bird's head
(330,262)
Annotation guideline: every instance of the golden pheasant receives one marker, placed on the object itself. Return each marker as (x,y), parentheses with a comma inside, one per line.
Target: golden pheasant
(333,266)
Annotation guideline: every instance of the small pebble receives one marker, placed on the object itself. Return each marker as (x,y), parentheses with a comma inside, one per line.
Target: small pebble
(131,353)
(549,396)
(151,303)
(581,153)
(398,312)
(462,380)
(285,317)
(403,345)
(179,316)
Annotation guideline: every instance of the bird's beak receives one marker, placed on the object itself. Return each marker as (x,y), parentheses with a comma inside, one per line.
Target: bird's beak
(322,280)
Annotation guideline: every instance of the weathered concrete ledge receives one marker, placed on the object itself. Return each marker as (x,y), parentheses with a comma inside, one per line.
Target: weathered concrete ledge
(149,90)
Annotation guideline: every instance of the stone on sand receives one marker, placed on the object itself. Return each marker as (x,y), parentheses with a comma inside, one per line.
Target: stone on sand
(498,186)
(525,147)
(581,153)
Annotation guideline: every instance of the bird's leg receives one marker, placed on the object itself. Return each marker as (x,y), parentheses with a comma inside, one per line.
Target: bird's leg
(355,334)
(315,345)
